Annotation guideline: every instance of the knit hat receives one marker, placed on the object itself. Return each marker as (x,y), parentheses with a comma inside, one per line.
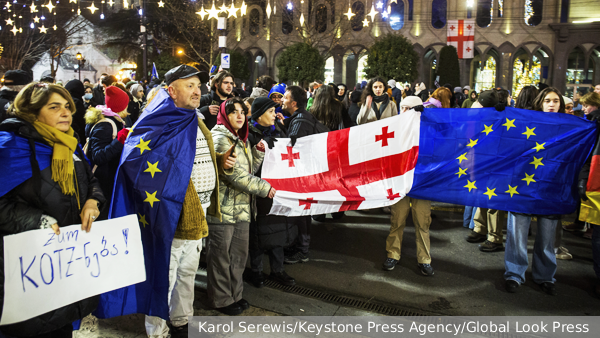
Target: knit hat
(116,99)
(260,106)
(488,98)
(411,101)
(567,100)
(457,89)
(135,88)
(392,83)
(467,88)
(17,78)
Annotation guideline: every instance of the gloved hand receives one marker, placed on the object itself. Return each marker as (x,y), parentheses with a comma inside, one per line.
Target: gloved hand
(582,188)
(122,135)
(271,142)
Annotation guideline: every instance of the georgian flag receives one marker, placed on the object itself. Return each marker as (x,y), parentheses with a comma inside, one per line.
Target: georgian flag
(362,167)
(461,34)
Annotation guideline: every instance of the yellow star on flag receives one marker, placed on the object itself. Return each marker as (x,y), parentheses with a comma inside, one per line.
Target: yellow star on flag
(143,145)
(488,129)
(537,162)
(151,198)
(213,12)
(490,192)
(461,172)
(512,190)
(142,219)
(529,132)
(472,143)
(528,178)
(509,124)
(349,14)
(470,185)
(152,168)
(462,157)
(539,147)
(232,11)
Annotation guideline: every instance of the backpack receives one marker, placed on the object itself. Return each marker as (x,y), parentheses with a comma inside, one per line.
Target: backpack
(87,140)
(318,127)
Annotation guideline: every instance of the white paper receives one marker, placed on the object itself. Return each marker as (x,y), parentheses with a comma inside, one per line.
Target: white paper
(221,22)
(44,271)
(225,60)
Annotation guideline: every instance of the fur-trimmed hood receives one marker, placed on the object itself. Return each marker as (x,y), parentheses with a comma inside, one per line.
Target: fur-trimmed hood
(94,115)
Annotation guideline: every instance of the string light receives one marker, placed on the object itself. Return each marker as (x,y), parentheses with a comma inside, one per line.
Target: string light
(290,6)
(162,4)
(92,8)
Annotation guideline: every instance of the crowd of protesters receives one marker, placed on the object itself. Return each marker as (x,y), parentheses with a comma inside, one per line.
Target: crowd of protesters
(83,119)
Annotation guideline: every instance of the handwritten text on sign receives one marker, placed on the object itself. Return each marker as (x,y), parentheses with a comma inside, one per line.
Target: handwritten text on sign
(44,271)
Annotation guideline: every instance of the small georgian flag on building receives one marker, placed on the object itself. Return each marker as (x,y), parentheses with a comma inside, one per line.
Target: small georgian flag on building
(362,167)
(461,34)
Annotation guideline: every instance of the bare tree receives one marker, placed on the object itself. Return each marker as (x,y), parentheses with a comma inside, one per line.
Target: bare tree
(63,38)
(21,48)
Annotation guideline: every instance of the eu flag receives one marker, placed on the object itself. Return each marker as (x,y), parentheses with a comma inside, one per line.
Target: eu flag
(151,182)
(514,160)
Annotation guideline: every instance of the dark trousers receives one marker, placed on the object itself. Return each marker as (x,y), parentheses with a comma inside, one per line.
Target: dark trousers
(275,259)
(64,332)
(303,240)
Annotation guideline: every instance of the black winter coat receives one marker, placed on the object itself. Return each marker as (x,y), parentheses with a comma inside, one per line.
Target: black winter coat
(268,232)
(99,98)
(21,210)
(105,152)
(6,98)
(207,100)
(302,123)
(134,108)
(397,95)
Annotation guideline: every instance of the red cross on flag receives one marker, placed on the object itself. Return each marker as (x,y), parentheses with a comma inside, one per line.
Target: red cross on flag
(362,167)
(461,34)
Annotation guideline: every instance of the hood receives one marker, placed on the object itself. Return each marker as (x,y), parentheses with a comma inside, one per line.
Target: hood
(258,92)
(75,88)
(224,121)
(278,88)
(471,93)
(94,114)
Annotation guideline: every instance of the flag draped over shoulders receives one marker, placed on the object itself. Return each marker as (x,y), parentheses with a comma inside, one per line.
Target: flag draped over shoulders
(15,165)
(151,182)
(514,160)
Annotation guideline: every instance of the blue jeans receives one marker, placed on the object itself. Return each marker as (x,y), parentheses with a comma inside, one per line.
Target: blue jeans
(515,256)
(596,248)
(468,217)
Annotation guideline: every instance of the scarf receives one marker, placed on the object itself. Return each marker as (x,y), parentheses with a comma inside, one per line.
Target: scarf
(433,101)
(384,99)
(222,119)
(64,145)
(266,131)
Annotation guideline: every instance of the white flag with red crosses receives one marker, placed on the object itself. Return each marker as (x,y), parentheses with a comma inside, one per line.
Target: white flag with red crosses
(461,34)
(362,167)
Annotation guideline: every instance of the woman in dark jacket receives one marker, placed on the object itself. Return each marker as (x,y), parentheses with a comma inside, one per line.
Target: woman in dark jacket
(50,186)
(104,148)
(354,109)
(268,234)
(77,90)
(136,101)
(329,111)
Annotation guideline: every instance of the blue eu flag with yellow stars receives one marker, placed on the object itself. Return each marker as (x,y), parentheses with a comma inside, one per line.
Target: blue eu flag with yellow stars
(151,182)
(514,160)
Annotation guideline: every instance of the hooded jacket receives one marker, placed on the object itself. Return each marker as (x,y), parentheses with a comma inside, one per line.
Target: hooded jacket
(103,151)
(237,186)
(469,101)
(21,210)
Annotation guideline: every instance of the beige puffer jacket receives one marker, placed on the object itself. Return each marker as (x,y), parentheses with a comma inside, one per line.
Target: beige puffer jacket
(238,184)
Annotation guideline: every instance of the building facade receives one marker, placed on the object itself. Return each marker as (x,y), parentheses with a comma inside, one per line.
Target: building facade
(517,42)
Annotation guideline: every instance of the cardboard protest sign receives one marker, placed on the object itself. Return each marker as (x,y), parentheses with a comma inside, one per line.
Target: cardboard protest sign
(44,271)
